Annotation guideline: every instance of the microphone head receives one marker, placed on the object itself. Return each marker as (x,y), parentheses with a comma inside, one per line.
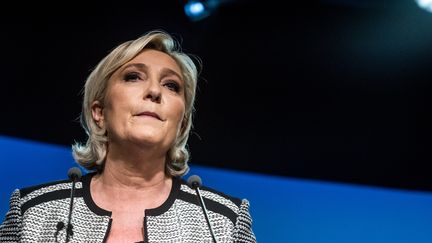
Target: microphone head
(194,181)
(74,173)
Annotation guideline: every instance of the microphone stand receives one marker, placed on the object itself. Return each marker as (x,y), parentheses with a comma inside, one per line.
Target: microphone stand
(201,201)
(69,230)
(195,182)
(74,174)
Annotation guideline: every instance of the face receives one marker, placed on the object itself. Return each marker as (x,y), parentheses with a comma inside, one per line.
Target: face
(144,102)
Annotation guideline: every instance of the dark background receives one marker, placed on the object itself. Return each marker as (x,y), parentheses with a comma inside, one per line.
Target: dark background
(328,90)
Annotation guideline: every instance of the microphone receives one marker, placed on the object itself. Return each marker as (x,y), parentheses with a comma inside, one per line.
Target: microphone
(195,182)
(74,174)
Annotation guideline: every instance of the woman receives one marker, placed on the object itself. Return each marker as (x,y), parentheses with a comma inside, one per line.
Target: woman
(137,112)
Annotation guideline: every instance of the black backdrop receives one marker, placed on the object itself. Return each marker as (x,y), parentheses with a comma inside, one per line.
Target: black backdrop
(330,90)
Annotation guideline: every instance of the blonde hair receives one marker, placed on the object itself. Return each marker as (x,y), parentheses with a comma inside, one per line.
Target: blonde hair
(92,154)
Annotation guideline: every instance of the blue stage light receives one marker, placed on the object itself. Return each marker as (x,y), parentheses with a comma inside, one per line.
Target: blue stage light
(425,4)
(196,10)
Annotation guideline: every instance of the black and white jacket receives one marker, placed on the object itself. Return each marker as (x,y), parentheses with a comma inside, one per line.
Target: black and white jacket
(35,212)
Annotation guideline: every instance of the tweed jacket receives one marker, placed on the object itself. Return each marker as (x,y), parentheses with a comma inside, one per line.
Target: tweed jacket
(35,212)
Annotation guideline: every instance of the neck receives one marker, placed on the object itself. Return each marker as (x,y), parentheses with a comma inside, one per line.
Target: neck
(133,169)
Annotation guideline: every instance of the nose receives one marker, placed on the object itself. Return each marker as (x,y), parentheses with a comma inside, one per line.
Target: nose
(153,91)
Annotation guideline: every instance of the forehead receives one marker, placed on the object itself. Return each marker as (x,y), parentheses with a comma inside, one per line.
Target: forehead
(156,59)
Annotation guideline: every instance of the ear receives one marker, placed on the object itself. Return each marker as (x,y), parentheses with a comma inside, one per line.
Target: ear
(97,113)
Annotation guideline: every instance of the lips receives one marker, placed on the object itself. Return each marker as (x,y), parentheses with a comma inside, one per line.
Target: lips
(151,114)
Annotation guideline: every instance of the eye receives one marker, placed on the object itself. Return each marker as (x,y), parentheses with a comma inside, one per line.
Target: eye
(133,76)
(173,86)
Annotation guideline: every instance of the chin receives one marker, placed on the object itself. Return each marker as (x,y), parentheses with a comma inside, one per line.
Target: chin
(150,136)
(147,138)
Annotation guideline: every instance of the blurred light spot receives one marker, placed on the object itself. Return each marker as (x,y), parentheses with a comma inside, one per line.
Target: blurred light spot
(197,10)
(425,4)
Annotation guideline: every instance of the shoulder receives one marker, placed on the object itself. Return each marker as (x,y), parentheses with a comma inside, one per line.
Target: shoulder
(44,187)
(215,200)
(212,194)
(48,191)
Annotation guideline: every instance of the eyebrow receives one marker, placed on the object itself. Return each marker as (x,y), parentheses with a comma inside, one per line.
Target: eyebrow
(142,66)
(170,72)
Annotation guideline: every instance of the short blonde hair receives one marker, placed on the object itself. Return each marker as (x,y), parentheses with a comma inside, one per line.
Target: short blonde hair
(92,154)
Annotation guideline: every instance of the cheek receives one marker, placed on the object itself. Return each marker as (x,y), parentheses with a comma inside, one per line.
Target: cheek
(116,110)
(179,115)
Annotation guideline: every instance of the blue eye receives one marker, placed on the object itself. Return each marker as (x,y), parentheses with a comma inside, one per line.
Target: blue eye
(132,77)
(173,86)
